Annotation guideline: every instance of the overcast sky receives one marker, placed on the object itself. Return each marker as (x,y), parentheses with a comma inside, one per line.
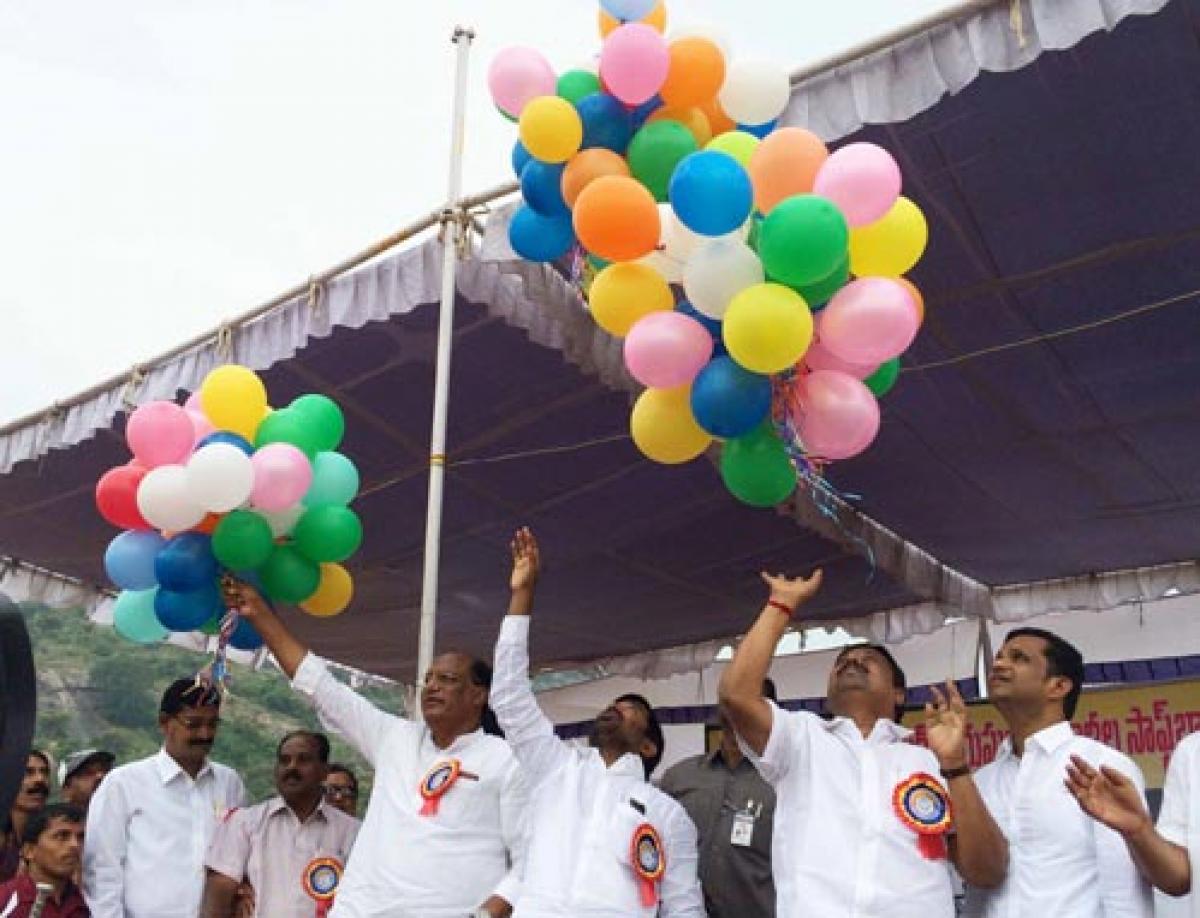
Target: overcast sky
(167,164)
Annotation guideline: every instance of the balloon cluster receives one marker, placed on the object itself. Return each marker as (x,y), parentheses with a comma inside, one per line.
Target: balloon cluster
(754,275)
(224,484)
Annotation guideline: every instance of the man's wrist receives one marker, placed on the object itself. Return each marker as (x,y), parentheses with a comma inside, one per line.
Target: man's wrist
(1144,829)
(787,607)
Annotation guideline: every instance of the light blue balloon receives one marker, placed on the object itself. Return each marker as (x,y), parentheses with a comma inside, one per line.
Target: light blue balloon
(541,187)
(134,618)
(520,156)
(627,10)
(129,559)
(334,482)
(711,193)
(538,238)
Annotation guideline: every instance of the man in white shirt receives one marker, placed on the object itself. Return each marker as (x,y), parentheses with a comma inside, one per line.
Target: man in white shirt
(150,822)
(864,822)
(291,849)
(1166,857)
(1061,863)
(603,842)
(443,835)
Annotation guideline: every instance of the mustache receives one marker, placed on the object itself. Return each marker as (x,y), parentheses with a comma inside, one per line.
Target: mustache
(852,664)
(291,776)
(39,788)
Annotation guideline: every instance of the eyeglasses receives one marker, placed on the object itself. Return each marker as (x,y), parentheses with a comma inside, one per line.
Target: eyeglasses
(195,723)
(338,792)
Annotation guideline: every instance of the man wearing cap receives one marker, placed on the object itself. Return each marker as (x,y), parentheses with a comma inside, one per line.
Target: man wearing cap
(291,849)
(52,845)
(150,823)
(81,773)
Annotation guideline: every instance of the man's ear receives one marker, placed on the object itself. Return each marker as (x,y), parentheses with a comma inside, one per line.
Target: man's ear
(1059,687)
(648,749)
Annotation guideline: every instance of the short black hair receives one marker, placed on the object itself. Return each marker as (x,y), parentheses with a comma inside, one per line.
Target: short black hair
(480,672)
(338,768)
(37,753)
(320,739)
(769,691)
(1062,659)
(40,821)
(899,680)
(188,693)
(654,731)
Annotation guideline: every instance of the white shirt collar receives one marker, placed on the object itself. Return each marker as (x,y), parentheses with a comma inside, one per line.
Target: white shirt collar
(628,765)
(277,804)
(169,769)
(884,731)
(1046,739)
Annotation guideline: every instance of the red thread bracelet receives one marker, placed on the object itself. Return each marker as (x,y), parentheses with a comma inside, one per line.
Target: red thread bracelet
(782,607)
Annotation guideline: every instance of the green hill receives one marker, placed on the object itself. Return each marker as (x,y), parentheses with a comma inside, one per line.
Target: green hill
(96,689)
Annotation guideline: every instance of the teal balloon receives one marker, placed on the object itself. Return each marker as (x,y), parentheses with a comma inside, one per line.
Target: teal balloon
(655,151)
(328,533)
(335,481)
(242,540)
(820,293)
(288,426)
(803,240)
(757,470)
(882,380)
(324,419)
(134,618)
(289,576)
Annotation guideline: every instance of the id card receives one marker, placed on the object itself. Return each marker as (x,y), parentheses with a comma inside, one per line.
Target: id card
(743,830)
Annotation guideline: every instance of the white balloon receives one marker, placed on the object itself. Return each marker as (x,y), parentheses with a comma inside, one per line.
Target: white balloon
(166,502)
(220,477)
(282,522)
(718,271)
(755,92)
(663,259)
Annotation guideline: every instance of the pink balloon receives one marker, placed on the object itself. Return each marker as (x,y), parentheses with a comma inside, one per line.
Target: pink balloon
(862,179)
(282,474)
(517,75)
(160,433)
(193,403)
(634,62)
(835,415)
(667,349)
(818,357)
(201,425)
(870,320)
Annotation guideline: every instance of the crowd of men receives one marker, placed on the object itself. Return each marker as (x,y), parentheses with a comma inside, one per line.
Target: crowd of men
(479,809)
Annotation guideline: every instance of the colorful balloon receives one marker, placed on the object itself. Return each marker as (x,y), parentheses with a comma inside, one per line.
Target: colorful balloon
(754,92)
(862,179)
(767,328)
(656,19)
(551,129)
(185,562)
(757,470)
(628,10)
(333,593)
(891,245)
(784,164)
(869,321)
(538,238)
(711,193)
(244,636)
(219,477)
(541,187)
(691,118)
(575,84)
(817,357)
(335,481)
(624,293)
(882,381)
(655,151)
(633,63)
(166,502)
(663,428)
(516,77)
(116,496)
(667,349)
(160,433)
(606,123)
(585,167)
(802,240)
(288,425)
(695,72)
(738,144)
(328,533)
(835,415)
(243,540)
(616,218)
(187,611)
(234,398)
(718,271)
(288,576)
(134,618)
(282,475)
(129,559)
(324,419)
(729,401)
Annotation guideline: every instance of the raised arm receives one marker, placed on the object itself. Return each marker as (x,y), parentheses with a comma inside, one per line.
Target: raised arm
(978,847)
(528,731)
(740,691)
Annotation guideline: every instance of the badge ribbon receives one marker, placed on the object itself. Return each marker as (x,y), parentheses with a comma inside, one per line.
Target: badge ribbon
(923,806)
(439,780)
(320,880)
(649,862)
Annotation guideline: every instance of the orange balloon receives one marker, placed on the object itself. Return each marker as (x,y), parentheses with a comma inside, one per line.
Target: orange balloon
(718,122)
(785,164)
(691,118)
(656,19)
(588,165)
(209,523)
(616,218)
(695,74)
(917,298)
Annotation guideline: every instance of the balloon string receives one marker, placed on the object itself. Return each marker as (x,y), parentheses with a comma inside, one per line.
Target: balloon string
(216,674)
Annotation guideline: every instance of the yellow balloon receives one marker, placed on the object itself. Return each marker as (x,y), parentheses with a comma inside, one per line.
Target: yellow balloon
(626,291)
(892,244)
(738,144)
(234,398)
(663,427)
(693,119)
(767,328)
(333,594)
(551,129)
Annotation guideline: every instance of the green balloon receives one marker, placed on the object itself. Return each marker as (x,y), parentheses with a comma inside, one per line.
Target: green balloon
(803,240)
(882,380)
(289,576)
(212,626)
(575,84)
(755,229)
(243,540)
(655,151)
(324,418)
(757,469)
(134,618)
(820,293)
(328,533)
(288,426)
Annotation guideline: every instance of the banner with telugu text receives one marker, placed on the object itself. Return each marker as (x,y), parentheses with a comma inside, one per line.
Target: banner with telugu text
(1145,723)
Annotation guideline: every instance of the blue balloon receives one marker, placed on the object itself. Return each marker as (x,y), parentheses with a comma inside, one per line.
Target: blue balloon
(244,636)
(186,562)
(224,436)
(628,10)
(538,238)
(759,130)
(129,559)
(640,114)
(729,401)
(179,611)
(541,186)
(713,326)
(606,122)
(520,156)
(711,193)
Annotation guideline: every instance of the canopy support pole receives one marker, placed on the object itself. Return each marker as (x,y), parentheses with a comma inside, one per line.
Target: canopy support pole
(452,234)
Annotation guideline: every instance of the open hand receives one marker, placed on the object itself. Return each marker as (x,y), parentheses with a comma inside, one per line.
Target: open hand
(1107,796)
(792,591)
(526,561)
(946,726)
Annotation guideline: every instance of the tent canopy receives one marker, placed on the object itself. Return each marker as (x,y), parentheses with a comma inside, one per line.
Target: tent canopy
(1036,454)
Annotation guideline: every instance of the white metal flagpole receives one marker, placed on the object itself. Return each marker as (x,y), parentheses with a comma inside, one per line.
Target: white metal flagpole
(452,230)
